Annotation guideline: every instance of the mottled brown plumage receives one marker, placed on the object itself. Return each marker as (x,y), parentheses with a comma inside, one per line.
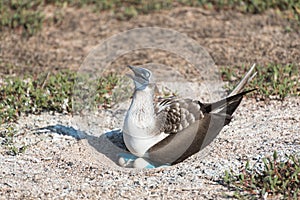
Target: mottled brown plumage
(171,130)
(198,122)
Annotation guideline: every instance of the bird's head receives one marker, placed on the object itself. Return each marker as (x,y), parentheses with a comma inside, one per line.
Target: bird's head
(141,77)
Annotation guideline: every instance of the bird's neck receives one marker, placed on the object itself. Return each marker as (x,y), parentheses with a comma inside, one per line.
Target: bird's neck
(141,114)
(142,102)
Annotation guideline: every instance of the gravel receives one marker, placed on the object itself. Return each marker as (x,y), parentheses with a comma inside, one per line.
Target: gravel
(68,158)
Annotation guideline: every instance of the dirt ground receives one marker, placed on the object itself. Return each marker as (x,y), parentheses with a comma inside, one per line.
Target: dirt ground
(230,37)
(61,167)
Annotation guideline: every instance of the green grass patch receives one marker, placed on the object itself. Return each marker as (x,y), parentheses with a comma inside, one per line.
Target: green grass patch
(251,6)
(271,81)
(23,15)
(276,179)
(28,16)
(7,140)
(55,92)
(47,92)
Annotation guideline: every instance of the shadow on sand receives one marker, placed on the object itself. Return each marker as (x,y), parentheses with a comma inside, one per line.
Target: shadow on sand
(110,144)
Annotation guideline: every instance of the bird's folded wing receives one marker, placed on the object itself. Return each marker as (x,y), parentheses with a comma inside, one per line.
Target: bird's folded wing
(188,141)
(192,125)
(174,115)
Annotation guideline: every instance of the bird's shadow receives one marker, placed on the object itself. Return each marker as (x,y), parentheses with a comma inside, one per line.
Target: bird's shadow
(109,144)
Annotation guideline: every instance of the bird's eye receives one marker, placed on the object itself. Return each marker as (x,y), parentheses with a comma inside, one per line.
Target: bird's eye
(148,74)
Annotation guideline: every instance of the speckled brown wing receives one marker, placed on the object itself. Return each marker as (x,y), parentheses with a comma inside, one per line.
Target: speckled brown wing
(186,125)
(175,115)
(191,126)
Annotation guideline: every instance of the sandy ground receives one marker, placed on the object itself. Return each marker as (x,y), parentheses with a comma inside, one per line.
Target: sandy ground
(56,165)
(60,166)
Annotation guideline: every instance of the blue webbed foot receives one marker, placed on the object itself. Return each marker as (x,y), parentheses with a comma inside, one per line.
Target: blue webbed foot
(143,163)
(131,161)
(126,159)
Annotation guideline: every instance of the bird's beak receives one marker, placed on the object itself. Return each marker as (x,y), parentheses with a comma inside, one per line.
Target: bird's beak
(141,72)
(141,76)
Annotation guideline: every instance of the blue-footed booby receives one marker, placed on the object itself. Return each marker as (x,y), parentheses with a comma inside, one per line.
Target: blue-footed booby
(170,130)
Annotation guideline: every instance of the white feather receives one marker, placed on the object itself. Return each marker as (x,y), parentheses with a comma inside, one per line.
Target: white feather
(140,131)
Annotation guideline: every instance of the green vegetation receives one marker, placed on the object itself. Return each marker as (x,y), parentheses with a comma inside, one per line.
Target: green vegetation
(104,90)
(27,16)
(7,140)
(252,6)
(274,81)
(19,14)
(276,179)
(29,95)
(51,92)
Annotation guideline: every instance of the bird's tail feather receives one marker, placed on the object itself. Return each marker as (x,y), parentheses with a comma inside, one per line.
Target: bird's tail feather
(247,78)
(227,105)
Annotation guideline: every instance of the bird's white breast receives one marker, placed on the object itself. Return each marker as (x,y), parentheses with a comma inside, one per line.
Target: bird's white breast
(139,146)
(139,131)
